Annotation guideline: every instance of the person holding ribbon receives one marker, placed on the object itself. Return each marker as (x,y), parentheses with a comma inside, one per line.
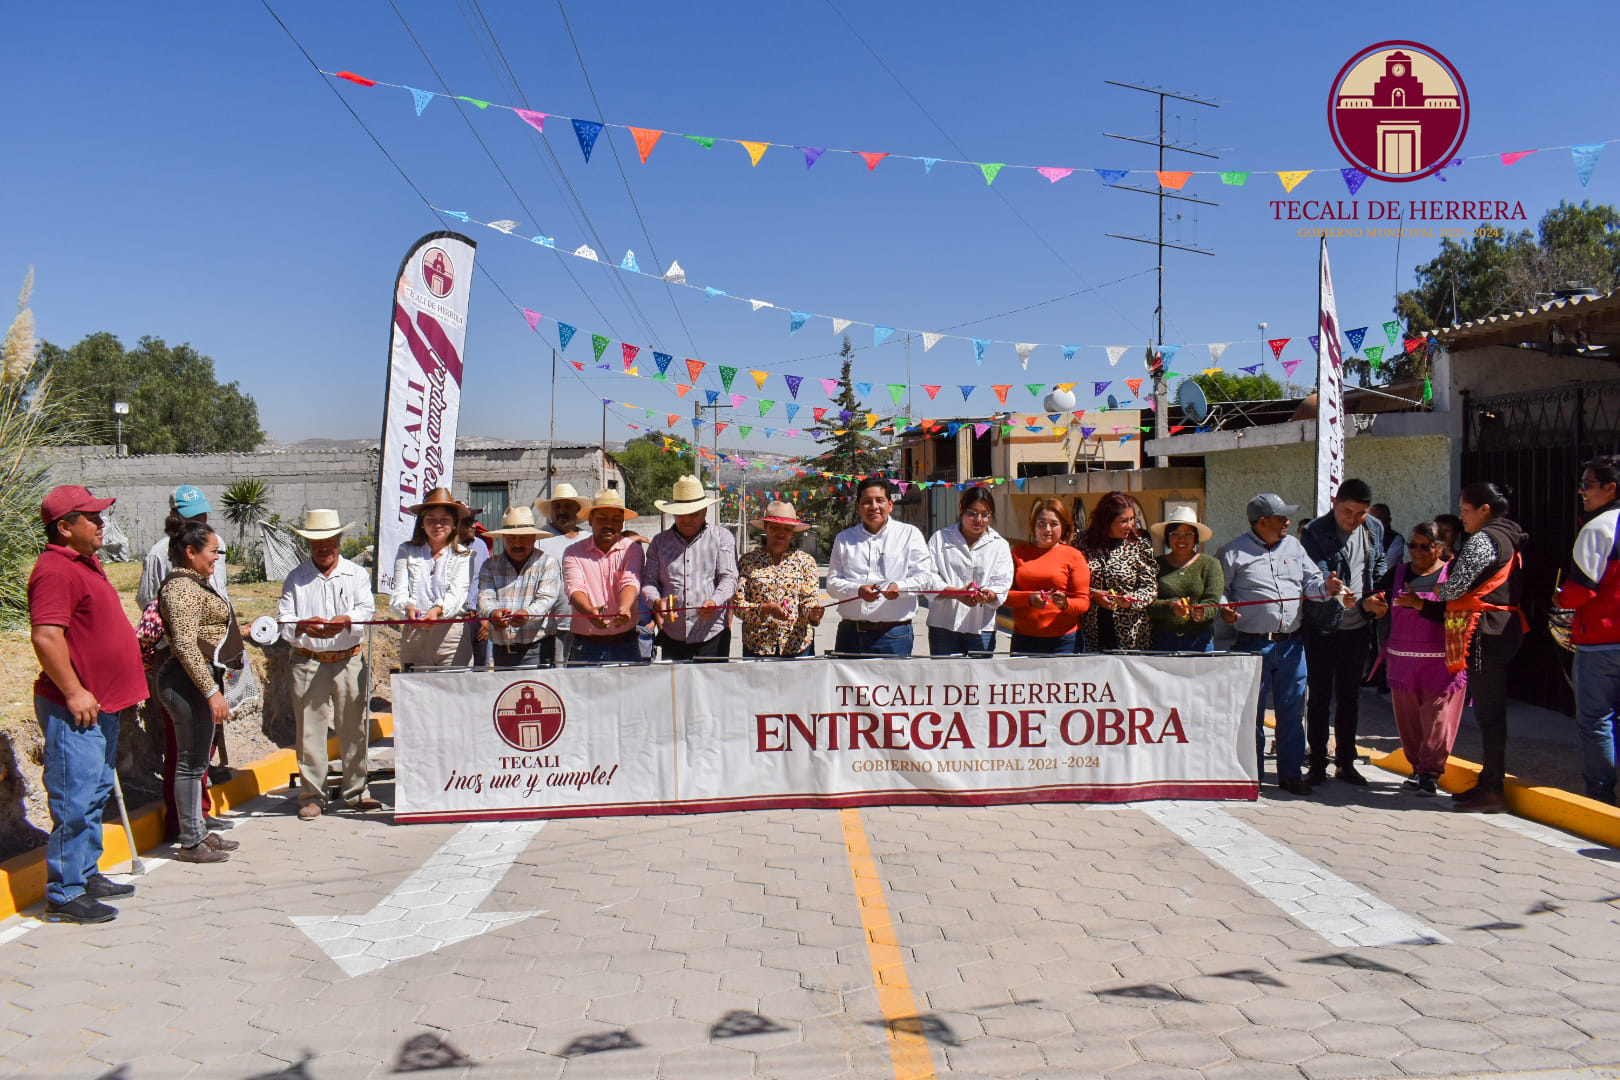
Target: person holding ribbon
(1124,577)
(602,576)
(778,587)
(1051,587)
(1485,628)
(432,577)
(1428,698)
(690,578)
(1190,584)
(975,568)
(883,564)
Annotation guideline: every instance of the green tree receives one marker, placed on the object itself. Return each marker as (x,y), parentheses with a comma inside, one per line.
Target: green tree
(176,404)
(851,450)
(650,471)
(1219,386)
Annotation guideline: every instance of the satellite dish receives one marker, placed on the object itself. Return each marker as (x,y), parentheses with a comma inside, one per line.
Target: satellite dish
(1192,400)
(1113,402)
(1059,401)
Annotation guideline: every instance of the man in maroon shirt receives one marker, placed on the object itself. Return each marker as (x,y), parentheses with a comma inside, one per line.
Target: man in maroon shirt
(90,670)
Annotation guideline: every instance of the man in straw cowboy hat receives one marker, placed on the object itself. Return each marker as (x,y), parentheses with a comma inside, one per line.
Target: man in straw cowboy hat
(321,600)
(602,575)
(779,585)
(691,577)
(516,588)
(562,514)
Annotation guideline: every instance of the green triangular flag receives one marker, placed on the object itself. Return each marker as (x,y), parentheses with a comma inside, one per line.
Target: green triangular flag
(1034,388)
(600,344)
(897,391)
(1236,179)
(1392,330)
(473,101)
(990,172)
(746,431)
(702,140)
(765,407)
(649,412)
(1375,353)
(661,377)
(1006,430)
(726,375)
(1428,391)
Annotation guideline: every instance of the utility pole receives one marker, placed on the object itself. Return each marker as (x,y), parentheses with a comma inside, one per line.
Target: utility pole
(698,409)
(1161,412)
(551,439)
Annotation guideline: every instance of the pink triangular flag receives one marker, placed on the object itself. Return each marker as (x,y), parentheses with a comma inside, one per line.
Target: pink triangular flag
(533,317)
(536,120)
(1288,366)
(1054,175)
(828,386)
(1508,159)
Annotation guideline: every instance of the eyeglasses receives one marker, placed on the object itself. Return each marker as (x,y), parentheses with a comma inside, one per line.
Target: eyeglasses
(1587,485)
(979,515)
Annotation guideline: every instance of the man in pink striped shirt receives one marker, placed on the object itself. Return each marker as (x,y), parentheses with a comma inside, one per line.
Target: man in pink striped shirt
(602,576)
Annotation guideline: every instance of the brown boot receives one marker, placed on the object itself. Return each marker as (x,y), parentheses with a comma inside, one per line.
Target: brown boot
(201,853)
(219,843)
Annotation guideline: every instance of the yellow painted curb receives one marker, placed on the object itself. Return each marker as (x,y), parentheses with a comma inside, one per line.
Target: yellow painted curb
(22,877)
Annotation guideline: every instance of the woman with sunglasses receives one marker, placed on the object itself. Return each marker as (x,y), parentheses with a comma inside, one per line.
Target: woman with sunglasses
(1427,697)
(1592,590)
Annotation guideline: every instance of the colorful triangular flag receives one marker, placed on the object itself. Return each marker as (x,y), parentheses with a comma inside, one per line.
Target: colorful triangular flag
(587,131)
(646,139)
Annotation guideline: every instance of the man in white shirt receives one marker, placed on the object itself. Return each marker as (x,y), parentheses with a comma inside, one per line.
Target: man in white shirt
(320,601)
(884,563)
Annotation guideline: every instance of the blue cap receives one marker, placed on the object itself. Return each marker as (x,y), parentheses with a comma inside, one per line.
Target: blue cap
(190,502)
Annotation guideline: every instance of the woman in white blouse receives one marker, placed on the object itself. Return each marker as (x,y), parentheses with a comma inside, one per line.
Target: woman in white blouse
(432,577)
(975,566)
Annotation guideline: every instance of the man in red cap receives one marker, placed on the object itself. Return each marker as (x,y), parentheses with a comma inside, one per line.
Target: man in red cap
(90,670)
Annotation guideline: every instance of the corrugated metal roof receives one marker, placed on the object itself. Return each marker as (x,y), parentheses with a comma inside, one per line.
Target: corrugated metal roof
(1581,311)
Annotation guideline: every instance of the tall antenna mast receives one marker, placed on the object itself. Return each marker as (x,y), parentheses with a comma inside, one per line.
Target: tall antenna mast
(1161,413)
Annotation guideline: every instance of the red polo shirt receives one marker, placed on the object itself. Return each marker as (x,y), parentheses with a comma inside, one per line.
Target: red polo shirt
(71,590)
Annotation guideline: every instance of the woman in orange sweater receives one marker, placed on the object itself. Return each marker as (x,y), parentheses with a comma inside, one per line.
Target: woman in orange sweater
(1051,584)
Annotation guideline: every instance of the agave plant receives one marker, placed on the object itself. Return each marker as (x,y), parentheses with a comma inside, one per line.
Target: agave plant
(245,503)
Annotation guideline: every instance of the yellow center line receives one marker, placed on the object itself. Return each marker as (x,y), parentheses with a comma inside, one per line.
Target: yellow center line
(908,1050)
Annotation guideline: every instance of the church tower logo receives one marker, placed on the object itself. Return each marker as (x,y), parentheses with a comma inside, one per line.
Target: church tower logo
(529,715)
(1398,111)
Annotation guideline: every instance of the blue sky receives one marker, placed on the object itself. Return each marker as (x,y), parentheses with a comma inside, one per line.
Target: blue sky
(180,170)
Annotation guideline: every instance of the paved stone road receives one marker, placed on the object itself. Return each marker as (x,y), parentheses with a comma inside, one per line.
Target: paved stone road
(1050,941)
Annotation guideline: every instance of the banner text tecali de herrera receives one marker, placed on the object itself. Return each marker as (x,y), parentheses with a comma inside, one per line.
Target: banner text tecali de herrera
(992,716)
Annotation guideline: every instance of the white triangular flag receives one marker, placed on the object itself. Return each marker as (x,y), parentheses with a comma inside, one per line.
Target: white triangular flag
(839,325)
(930,340)
(675,273)
(584,252)
(1024,349)
(757,304)
(503,226)
(1115,352)
(1216,348)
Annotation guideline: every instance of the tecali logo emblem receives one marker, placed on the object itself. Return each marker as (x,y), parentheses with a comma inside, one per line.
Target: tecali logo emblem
(529,715)
(438,272)
(1398,111)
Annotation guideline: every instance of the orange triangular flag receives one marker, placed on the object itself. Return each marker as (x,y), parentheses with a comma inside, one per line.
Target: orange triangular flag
(1001,392)
(1174,180)
(695,368)
(646,139)
(871,159)
(673,417)
(756,150)
(681,388)
(1135,385)
(760,377)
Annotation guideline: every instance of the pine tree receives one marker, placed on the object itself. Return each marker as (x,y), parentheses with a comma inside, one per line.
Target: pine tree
(850,450)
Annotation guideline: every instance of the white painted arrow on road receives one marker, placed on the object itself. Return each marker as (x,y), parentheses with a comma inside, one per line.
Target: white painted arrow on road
(434,907)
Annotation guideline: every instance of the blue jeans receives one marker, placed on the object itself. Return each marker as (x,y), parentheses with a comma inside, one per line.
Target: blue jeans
(896,641)
(1597,697)
(589,650)
(79,765)
(1282,678)
(480,649)
(1030,645)
(535,653)
(1195,641)
(942,642)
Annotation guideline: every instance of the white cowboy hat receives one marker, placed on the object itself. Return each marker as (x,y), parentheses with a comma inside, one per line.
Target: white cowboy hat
(563,492)
(687,498)
(779,513)
(1181,515)
(518,521)
(608,500)
(321,524)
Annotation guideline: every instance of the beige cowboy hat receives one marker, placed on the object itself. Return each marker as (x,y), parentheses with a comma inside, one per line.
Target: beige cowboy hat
(1181,515)
(441,497)
(779,513)
(608,500)
(518,521)
(322,524)
(687,498)
(563,492)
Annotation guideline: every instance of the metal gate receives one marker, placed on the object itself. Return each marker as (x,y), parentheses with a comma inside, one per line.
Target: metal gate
(1535,443)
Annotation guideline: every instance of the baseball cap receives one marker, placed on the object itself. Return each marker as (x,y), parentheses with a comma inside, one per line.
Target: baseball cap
(1268,505)
(190,502)
(70,499)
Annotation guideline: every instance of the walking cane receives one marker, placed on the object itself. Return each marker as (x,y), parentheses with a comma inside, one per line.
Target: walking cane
(136,867)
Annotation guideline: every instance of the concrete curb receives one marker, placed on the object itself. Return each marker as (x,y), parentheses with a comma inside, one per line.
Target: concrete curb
(22,877)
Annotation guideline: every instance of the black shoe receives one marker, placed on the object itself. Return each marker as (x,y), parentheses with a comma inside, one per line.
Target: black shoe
(1479,800)
(1349,775)
(1412,783)
(1294,786)
(1317,775)
(218,824)
(80,909)
(102,887)
(218,774)
(1426,786)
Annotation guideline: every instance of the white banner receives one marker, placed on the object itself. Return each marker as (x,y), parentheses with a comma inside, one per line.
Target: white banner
(692,738)
(1330,418)
(424,385)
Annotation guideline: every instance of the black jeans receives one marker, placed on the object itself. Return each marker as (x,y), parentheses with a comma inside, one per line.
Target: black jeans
(193,738)
(521,654)
(716,648)
(1488,660)
(1334,664)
